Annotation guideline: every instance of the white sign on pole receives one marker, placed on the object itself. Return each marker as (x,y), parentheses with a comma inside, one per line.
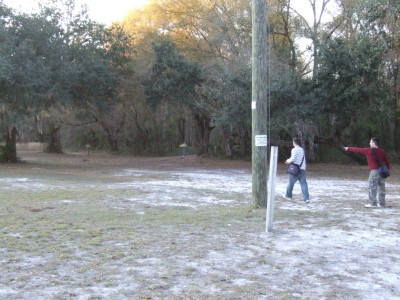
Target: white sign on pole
(253,104)
(261,140)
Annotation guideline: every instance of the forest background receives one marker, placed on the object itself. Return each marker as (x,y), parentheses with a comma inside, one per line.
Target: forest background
(178,73)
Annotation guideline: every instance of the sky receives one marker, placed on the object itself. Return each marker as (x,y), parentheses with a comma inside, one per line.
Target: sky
(107,11)
(103,11)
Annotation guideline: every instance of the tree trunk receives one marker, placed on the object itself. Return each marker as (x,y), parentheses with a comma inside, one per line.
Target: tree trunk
(227,143)
(396,92)
(113,142)
(112,138)
(39,129)
(204,124)
(245,145)
(54,145)
(112,128)
(11,144)
(182,130)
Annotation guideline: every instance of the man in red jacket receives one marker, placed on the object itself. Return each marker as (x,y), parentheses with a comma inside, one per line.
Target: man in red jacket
(375,181)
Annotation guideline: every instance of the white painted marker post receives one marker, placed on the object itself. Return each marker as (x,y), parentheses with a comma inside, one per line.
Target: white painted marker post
(271,187)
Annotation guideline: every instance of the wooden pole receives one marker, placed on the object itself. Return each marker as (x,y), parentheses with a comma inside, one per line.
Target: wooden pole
(259,103)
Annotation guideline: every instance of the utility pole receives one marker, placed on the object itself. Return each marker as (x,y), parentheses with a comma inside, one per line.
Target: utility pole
(259,104)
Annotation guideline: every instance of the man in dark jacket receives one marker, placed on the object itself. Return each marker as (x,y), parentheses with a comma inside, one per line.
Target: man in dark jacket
(376,183)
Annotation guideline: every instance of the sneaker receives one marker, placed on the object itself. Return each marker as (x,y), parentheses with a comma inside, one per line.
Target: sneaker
(381,205)
(286,197)
(370,206)
(307,201)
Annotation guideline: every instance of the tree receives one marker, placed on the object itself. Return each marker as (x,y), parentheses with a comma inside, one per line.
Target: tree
(32,46)
(173,79)
(314,28)
(99,68)
(9,152)
(58,58)
(225,94)
(349,84)
(379,20)
(101,59)
(216,35)
(352,89)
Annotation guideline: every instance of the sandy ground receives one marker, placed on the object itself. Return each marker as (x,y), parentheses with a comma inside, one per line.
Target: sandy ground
(185,228)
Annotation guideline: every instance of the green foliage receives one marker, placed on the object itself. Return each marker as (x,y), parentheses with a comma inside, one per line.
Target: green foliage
(349,81)
(326,154)
(224,93)
(59,58)
(173,78)
(58,61)
(88,138)
(5,153)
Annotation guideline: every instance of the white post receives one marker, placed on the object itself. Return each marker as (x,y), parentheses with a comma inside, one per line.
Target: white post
(271,187)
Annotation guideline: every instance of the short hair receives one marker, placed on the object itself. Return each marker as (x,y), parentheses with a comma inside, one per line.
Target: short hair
(375,140)
(297,141)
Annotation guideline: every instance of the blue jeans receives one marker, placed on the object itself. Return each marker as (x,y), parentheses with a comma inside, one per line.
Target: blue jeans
(303,184)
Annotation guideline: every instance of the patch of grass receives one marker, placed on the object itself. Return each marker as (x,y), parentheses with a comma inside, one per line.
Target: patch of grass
(206,216)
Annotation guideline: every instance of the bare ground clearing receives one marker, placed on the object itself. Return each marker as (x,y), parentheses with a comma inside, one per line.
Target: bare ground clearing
(110,227)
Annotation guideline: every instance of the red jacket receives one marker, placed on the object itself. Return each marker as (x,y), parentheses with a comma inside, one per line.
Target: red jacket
(372,163)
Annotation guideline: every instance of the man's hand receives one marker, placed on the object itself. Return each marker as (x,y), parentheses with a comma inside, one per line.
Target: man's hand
(345,148)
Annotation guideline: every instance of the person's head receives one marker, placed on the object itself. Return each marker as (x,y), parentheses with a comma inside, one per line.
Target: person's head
(296,142)
(374,142)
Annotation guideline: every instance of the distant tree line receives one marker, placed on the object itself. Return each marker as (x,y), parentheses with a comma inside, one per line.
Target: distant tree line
(179,72)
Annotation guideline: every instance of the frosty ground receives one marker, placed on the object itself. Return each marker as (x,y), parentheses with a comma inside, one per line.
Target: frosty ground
(74,226)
